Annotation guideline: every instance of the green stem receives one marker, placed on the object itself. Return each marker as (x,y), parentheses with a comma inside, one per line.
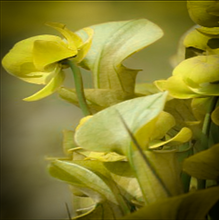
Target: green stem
(205,135)
(79,88)
(207,121)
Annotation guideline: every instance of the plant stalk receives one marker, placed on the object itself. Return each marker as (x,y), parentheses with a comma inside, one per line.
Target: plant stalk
(79,88)
(205,135)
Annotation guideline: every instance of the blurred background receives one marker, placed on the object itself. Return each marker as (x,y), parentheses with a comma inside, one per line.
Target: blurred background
(31,131)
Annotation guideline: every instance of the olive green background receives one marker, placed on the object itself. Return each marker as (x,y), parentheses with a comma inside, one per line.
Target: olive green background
(31,131)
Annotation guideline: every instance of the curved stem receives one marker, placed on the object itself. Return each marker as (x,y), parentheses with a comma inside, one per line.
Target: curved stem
(79,88)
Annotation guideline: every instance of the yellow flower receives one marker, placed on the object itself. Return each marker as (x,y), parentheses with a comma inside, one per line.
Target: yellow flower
(41,59)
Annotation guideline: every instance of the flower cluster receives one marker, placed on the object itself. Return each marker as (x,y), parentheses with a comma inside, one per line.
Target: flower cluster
(41,59)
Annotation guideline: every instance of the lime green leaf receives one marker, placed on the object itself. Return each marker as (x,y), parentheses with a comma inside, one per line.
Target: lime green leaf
(100,211)
(105,132)
(97,99)
(198,11)
(112,43)
(203,165)
(183,113)
(165,166)
(146,88)
(92,178)
(50,88)
(124,177)
(200,107)
(195,205)
(215,116)
(68,141)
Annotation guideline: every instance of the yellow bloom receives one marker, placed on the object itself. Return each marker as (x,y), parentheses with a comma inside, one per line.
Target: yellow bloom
(40,59)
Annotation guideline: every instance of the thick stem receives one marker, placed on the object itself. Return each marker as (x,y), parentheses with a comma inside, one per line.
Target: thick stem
(79,88)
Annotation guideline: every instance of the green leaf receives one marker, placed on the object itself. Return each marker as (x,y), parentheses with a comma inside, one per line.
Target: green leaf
(165,165)
(68,141)
(200,107)
(203,165)
(93,179)
(183,113)
(112,43)
(195,205)
(105,132)
(99,211)
(146,88)
(97,99)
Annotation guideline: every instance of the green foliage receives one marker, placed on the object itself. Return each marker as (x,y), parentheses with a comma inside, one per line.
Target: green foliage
(105,57)
(150,150)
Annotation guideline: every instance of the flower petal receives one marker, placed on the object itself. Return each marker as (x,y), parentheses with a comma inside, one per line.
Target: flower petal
(48,52)
(184,135)
(176,87)
(22,54)
(199,69)
(50,88)
(163,124)
(73,39)
(32,75)
(83,50)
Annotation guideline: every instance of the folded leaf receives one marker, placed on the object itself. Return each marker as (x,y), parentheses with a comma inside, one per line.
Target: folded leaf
(204,165)
(93,179)
(105,132)
(161,164)
(195,205)
(112,43)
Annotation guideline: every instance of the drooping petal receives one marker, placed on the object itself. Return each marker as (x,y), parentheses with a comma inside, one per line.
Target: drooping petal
(82,51)
(184,135)
(21,54)
(48,52)
(32,75)
(50,88)
(73,39)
